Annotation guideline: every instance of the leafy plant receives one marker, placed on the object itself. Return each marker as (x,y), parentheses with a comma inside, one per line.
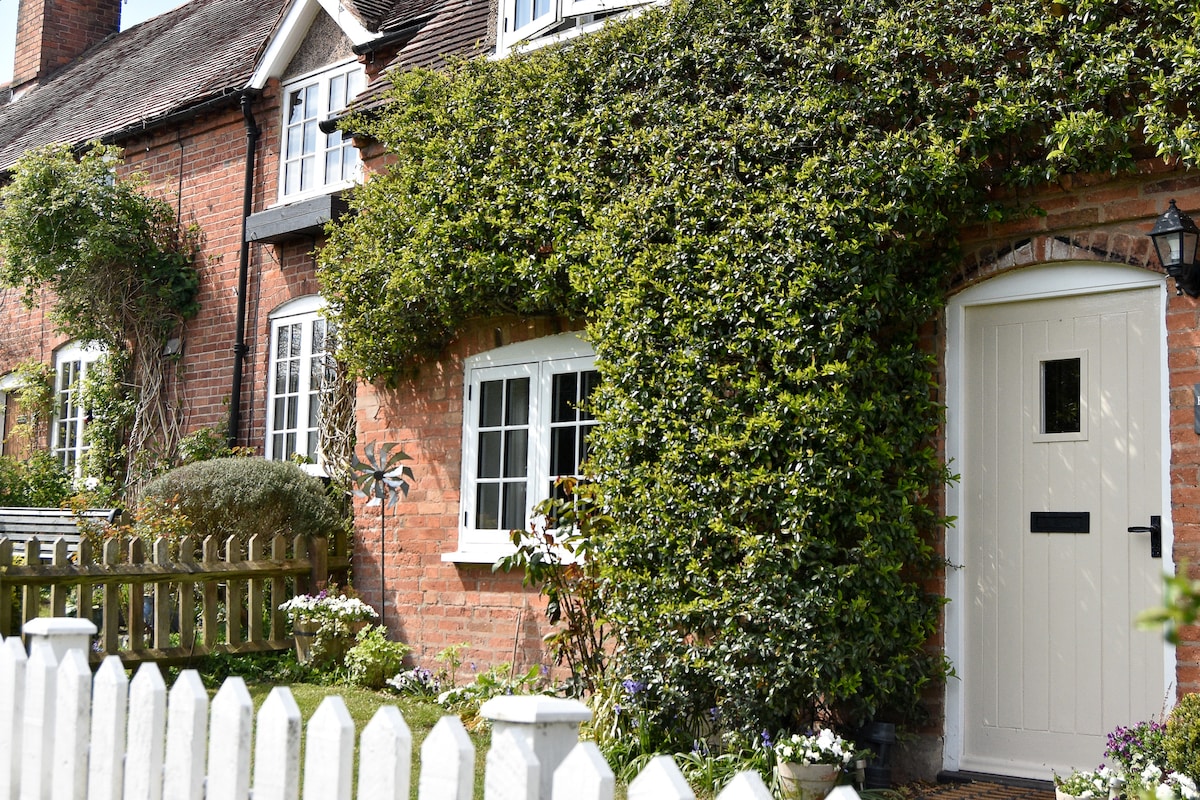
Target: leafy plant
(119,269)
(334,621)
(1136,747)
(557,555)
(374,659)
(39,480)
(494,682)
(1094,784)
(1182,740)
(35,394)
(756,205)
(451,657)
(417,681)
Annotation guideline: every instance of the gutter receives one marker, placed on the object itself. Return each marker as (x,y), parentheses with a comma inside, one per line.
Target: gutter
(240,350)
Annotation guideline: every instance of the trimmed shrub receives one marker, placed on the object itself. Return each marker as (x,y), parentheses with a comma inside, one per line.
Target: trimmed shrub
(240,497)
(1183,736)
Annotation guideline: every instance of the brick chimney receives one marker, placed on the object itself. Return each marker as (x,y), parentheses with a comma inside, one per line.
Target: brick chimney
(53,33)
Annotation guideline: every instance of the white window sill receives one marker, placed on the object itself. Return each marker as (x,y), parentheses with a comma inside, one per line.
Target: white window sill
(490,554)
(480,555)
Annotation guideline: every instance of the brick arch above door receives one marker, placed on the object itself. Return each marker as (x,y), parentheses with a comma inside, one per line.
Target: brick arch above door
(1092,245)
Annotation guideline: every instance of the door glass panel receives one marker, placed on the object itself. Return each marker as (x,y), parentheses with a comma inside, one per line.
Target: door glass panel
(1060,396)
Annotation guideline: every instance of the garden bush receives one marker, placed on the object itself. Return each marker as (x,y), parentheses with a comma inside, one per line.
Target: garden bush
(756,206)
(39,480)
(242,497)
(1182,741)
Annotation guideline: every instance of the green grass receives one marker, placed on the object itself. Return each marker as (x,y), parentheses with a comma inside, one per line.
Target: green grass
(420,714)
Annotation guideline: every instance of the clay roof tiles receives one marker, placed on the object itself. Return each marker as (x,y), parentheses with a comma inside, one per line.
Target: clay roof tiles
(205,52)
(173,62)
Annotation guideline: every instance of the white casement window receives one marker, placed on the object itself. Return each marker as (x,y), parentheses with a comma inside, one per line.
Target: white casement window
(522,21)
(314,162)
(68,434)
(525,424)
(302,348)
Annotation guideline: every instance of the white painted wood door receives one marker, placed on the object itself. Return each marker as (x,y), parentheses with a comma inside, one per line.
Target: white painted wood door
(1052,659)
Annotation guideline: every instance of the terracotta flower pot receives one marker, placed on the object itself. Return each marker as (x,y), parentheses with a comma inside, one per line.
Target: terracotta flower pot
(805,781)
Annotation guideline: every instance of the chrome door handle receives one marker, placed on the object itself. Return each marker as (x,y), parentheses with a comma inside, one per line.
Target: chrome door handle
(1155,531)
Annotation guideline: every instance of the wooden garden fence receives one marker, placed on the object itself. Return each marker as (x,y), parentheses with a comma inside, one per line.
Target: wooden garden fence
(68,735)
(176,604)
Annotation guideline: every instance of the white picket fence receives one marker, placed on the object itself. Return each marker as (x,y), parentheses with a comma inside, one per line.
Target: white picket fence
(66,735)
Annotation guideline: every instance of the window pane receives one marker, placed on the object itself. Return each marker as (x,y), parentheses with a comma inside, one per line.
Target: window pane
(291,178)
(311,132)
(589,381)
(293,376)
(564,397)
(291,412)
(514,506)
(491,404)
(487,506)
(524,13)
(337,93)
(562,451)
(516,455)
(489,454)
(517,411)
(333,166)
(295,106)
(1060,396)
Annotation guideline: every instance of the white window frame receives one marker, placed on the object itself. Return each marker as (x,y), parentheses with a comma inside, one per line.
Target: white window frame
(68,437)
(10,383)
(304,312)
(539,360)
(294,132)
(510,35)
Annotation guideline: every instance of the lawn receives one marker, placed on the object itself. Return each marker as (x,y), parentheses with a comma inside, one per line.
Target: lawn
(420,714)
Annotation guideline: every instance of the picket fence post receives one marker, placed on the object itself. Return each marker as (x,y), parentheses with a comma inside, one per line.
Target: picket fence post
(277,747)
(110,704)
(65,735)
(41,683)
(584,775)
(447,763)
(385,757)
(187,734)
(72,725)
(12,711)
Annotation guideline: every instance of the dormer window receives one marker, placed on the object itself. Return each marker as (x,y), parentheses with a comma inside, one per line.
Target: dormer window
(314,162)
(535,22)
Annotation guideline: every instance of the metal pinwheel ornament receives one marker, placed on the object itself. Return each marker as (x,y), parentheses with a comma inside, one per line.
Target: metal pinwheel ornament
(382,476)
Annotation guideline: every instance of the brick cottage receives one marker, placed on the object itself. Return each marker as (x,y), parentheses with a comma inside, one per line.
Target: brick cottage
(1068,363)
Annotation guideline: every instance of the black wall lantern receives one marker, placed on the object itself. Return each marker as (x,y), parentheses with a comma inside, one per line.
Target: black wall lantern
(1175,237)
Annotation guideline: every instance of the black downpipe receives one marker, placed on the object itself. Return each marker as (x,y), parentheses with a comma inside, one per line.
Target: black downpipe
(240,350)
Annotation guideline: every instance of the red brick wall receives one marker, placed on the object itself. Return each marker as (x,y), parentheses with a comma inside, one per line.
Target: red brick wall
(199,169)
(430,603)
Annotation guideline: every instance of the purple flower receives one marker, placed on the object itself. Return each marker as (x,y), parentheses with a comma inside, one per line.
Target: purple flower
(632,687)
(766,739)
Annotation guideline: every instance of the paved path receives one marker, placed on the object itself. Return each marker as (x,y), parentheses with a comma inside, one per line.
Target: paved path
(981,790)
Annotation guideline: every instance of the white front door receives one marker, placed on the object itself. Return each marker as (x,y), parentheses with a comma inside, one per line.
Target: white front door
(1061,453)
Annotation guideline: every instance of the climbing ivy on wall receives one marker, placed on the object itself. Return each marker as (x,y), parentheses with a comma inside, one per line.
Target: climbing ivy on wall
(119,272)
(755,205)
